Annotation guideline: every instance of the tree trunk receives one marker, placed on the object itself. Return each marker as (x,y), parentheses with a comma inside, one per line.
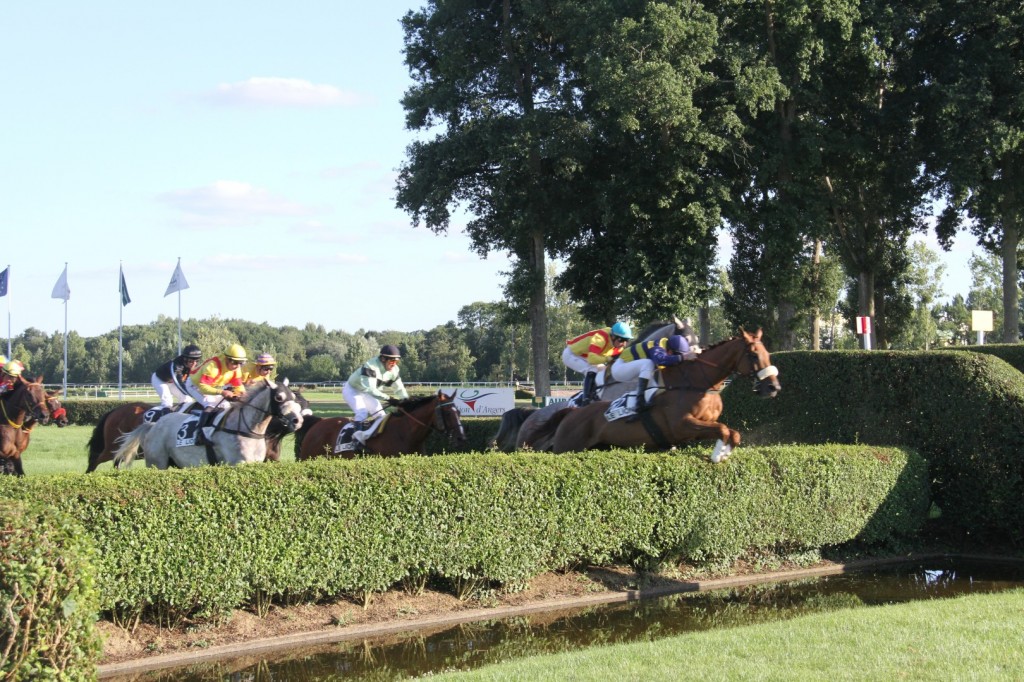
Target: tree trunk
(539,317)
(787,337)
(815,312)
(1011,239)
(704,323)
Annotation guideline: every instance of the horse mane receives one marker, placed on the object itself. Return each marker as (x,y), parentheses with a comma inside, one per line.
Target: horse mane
(413,403)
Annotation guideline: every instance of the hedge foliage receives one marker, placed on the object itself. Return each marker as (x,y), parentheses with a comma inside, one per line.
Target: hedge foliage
(48,596)
(964,412)
(196,543)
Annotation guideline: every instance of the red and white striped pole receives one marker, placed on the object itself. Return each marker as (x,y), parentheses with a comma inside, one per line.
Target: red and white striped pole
(864,329)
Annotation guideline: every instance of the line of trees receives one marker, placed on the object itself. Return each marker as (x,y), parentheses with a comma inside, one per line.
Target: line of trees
(618,135)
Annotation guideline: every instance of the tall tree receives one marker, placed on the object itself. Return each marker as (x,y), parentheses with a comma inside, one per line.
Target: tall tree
(568,130)
(971,62)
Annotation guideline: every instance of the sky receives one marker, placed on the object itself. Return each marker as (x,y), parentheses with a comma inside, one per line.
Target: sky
(257,141)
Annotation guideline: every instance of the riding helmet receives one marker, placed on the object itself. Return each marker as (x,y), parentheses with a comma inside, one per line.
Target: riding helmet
(390,351)
(235,352)
(14,368)
(265,359)
(678,344)
(622,330)
(192,352)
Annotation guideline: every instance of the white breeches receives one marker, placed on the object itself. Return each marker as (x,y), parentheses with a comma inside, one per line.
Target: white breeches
(363,404)
(168,393)
(216,400)
(575,362)
(628,371)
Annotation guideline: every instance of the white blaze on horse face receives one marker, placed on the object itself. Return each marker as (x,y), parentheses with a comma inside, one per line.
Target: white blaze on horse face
(291,412)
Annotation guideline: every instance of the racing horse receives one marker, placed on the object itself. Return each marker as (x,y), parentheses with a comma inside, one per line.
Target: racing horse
(523,427)
(240,436)
(686,405)
(125,418)
(404,432)
(22,408)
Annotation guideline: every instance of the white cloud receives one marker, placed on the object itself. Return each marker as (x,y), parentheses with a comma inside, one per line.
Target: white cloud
(229,203)
(283,92)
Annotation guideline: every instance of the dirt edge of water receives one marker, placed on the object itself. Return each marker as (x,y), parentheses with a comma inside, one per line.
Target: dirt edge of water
(150,648)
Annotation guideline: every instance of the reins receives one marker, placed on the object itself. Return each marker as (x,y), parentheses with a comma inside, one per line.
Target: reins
(24,406)
(249,432)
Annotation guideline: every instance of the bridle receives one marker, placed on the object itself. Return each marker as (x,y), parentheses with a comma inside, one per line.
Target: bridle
(35,411)
(273,411)
(440,410)
(753,359)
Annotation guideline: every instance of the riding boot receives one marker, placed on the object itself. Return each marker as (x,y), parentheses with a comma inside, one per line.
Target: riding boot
(641,394)
(361,432)
(589,389)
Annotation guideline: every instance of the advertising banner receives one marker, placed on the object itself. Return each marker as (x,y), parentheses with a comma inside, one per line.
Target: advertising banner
(483,402)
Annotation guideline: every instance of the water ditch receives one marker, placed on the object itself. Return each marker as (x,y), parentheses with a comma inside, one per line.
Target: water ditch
(469,645)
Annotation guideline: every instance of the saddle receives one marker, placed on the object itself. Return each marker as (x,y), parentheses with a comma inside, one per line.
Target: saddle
(346,443)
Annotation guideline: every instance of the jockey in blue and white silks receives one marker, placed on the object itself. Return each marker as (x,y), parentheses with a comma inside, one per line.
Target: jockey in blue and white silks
(641,359)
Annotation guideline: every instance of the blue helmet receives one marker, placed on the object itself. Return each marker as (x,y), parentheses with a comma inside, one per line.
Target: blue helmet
(678,344)
(622,330)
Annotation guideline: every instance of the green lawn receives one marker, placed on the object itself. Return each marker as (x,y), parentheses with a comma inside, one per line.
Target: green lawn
(979,637)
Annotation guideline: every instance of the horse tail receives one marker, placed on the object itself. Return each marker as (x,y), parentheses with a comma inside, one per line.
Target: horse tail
(129,445)
(508,430)
(307,423)
(96,444)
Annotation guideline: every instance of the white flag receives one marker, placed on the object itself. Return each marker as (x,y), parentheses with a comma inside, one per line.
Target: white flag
(61,289)
(178,281)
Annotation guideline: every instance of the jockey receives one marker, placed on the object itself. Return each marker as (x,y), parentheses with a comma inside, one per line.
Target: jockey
(218,382)
(169,378)
(588,353)
(9,375)
(259,370)
(363,391)
(641,359)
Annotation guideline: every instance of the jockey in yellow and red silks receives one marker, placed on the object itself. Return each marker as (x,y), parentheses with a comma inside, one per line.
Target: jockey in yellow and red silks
(219,380)
(588,353)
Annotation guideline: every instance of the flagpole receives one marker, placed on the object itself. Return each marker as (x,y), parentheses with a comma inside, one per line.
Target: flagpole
(8,310)
(120,330)
(179,311)
(65,336)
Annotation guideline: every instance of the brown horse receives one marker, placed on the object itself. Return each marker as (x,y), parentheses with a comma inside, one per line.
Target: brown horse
(111,426)
(21,408)
(404,432)
(685,407)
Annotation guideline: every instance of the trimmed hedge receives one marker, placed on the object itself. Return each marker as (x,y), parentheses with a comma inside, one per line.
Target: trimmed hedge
(196,543)
(964,412)
(48,596)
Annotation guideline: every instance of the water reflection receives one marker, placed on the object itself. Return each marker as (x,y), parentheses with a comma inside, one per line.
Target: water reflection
(471,645)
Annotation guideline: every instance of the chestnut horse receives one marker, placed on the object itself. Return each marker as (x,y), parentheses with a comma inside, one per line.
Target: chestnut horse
(125,418)
(685,407)
(21,408)
(404,433)
(524,427)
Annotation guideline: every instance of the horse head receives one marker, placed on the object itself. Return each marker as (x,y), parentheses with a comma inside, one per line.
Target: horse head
(26,402)
(58,415)
(447,419)
(757,362)
(284,406)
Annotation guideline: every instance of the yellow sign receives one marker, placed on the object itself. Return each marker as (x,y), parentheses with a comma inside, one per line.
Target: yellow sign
(981,320)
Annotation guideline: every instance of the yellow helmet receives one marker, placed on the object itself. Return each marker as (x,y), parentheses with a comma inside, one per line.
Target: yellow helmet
(3,359)
(235,352)
(14,368)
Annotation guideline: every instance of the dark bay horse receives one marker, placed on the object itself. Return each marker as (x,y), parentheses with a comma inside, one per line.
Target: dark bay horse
(685,407)
(125,418)
(404,432)
(524,427)
(21,408)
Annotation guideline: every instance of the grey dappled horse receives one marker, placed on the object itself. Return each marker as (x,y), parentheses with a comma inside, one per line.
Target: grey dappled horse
(241,436)
(519,425)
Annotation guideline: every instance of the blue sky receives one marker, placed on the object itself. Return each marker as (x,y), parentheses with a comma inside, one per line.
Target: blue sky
(257,141)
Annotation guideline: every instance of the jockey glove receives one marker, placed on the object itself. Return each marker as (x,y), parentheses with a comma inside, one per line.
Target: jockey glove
(393,402)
